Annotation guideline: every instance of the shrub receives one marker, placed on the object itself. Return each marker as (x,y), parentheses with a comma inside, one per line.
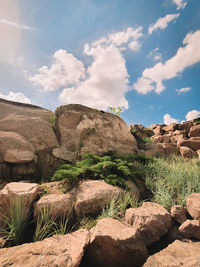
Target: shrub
(113,169)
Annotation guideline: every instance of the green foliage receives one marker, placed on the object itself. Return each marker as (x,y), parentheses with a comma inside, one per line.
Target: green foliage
(52,119)
(172,179)
(197,120)
(16,221)
(113,169)
(117,110)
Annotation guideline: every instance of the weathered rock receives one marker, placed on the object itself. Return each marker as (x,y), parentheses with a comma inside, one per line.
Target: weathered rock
(191,143)
(178,212)
(154,149)
(170,149)
(18,156)
(191,229)
(57,205)
(186,126)
(151,219)
(195,131)
(193,205)
(113,243)
(158,130)
(57,187)
(187,152)
(64,154)
(176,254)
(23,194)
(170,127)
(66,250)
(160,139)
(93,195)
(83,129)
(153,126)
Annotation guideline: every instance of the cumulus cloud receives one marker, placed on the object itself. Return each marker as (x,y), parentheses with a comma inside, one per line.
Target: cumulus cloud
(183,90)
(180,4)
(162,23)
(186,56)
(65,70)
(104,83)
(17,97)
(167,119)
(193,114)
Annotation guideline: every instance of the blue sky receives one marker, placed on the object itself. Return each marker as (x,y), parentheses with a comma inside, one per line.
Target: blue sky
(142,55)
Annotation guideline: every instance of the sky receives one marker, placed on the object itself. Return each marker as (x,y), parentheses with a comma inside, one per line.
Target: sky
(143,56)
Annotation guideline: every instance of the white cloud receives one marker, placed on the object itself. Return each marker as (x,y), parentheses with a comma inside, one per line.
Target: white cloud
(155,54)
(17,97)
(104,83)
(183,90)
(167,119)
(186,56)
(162,23)
(180,4)
(107,81)
(193,114)
(14,24)
(65,70)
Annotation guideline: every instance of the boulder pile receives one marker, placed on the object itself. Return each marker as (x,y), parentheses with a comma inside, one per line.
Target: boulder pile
(128,241)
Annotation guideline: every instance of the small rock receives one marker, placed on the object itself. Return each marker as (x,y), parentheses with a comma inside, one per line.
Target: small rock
(193,205)
(151,219)
(178,212)
(191,229)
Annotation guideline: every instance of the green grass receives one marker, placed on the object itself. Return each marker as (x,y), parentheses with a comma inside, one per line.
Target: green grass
(172,179)
(113,169)
(16,221)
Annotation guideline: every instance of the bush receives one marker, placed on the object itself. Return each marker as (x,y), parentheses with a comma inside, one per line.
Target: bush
(113,169)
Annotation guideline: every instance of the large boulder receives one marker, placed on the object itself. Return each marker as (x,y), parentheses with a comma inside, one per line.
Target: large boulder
(154,149)
(179,213)
(84,129)
(176,254)
(193,205)
(115,244)
(187,152)
(66,250)
(194,144)
(92,196)
(170,127)
(151,219)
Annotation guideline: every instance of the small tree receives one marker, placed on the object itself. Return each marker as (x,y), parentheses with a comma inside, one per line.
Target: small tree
(117,111)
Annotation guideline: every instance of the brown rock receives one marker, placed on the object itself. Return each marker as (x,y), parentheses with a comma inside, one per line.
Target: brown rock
(193,144)
(191,229)
(178,212)
(170,149)
(160,139)
(17,193)
(93,195)
(198,153)
(153,126)
(113,243)
(18,157)
(187,152)
(186,126)
(195,131)
(170,127)
(58,206)
(57,187)
(2,242)
(83,129)
(176,254)
(193,205)
(158,130)
(154,149)
(151,219)
(64,154)
(66,250)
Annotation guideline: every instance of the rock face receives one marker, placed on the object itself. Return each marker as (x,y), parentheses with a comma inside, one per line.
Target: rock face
(187,152)
(113,243)
(92,196)
(83,129)
(176,254)
(178,212)
(33,140)
(151,219)
(55,251)
(191,229)
(193,205)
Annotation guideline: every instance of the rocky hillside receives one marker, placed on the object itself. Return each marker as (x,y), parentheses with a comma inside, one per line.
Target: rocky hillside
(33,141)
